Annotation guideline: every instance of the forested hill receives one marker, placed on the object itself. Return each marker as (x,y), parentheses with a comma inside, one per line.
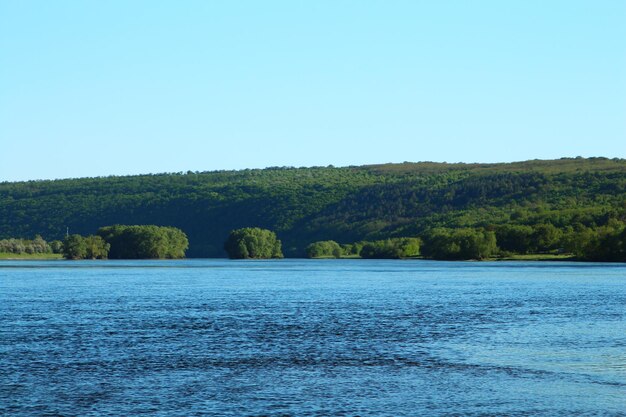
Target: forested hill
(303,205)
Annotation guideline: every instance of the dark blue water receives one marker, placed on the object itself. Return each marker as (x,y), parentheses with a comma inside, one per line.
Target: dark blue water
(198,337)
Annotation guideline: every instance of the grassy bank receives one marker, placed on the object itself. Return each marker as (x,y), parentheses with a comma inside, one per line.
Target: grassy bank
(32,256)
(539,257)
(525,257)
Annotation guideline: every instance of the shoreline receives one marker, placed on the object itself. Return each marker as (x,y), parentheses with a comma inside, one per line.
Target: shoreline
(510,258)
(30,256)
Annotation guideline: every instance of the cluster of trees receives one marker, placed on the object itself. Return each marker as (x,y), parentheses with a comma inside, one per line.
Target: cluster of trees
(457,244)
(604,243)
(516,238)
(253,243)
(325,249)
(593,243)
(392,248)
(440,243)
(89,247)
(127,242)
(36,245)
(350,204)
(144,242)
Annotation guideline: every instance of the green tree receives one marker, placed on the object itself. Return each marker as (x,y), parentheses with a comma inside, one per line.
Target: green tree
(39,245)
(324,249)
(546,237)
(578,239)
(253,242)
(74,247)
(56,246)
(97,248)
(516,238)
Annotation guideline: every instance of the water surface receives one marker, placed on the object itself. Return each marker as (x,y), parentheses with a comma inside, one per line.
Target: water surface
(302,337)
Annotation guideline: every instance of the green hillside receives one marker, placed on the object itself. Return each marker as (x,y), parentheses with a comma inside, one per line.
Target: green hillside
(303,205)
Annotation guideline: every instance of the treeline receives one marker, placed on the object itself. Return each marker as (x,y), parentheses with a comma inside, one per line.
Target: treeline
(128,242)
(605,243)
(394,248)
(438,244)
(350,204)
(460,244)
(144,242)
(88,247)
(32,246)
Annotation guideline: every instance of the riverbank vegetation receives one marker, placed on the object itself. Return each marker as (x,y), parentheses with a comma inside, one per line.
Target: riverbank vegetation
(253,243)
(543,242)
(36,248)
(89,247)
(394,248)
(30,256)
(570,205)
(115,242)
(144,242)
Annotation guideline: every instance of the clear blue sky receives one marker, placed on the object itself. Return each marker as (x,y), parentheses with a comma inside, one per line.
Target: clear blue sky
(90,88)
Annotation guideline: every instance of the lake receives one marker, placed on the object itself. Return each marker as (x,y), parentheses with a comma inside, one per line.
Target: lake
(309,338)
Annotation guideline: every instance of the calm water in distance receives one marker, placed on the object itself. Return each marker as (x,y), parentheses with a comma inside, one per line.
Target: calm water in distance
(308,338)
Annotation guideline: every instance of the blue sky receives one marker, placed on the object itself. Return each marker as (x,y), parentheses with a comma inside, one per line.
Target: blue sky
(92,88)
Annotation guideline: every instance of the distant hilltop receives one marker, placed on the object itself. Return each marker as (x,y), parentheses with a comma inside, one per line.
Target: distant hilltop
(304,205)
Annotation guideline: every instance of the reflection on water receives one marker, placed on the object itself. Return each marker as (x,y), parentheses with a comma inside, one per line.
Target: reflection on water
(292,337)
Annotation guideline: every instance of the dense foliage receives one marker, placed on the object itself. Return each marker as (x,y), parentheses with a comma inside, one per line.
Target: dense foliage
(351,204)
(324,249)
(144,242)
(605,243)
(253,243)
(90,247)
(394,248)
(36,245)
(456,244)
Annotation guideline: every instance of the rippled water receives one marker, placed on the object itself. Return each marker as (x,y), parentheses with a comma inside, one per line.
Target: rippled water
(299,337)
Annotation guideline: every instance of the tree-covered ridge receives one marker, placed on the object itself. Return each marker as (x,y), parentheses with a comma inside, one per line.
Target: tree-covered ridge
(304,205)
